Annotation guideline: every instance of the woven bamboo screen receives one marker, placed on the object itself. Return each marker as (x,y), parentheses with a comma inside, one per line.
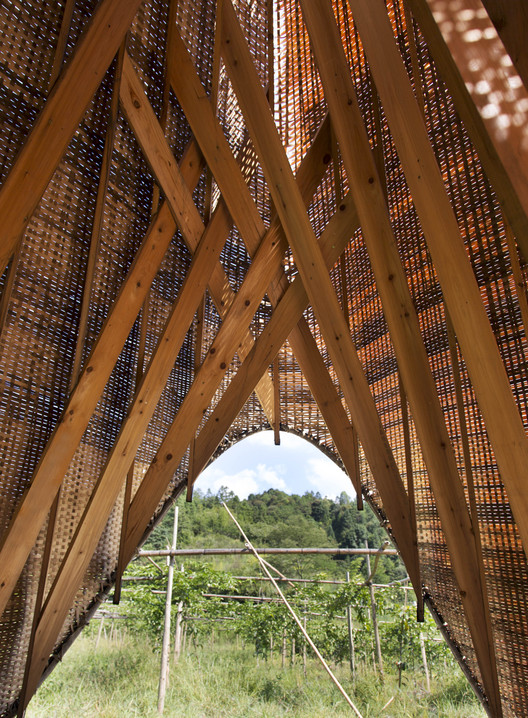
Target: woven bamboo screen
(66,272)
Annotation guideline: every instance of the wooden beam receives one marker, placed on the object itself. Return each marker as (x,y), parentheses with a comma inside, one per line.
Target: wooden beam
(62,40)
(285,317)
(178,437)
(462,65)
(105,492)
(97,222)
(276,402)
(23,529)
(203,388)
(309,260)
(151,139)
(209,135)
(81,333)
(56,124)
(461,292)
(447,248)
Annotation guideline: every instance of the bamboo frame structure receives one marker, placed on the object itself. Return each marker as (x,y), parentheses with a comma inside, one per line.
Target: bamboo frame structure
(223,217)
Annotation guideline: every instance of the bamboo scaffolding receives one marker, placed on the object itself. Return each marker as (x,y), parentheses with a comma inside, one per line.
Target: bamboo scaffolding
(270,551)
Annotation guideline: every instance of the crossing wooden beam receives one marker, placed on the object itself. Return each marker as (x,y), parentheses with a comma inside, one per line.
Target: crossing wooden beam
(461,292)
(105,492)
(284,318)
(31,512)
(60,117)
(152,141)
(208,133)
(108,486)
(182,430)
(402,321)
(317,283)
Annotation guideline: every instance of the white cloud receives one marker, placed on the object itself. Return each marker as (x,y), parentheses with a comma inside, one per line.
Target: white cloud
(242,483)
(327,478)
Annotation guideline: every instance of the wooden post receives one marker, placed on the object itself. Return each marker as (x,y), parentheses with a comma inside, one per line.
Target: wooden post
(178,633)
(304,647)
(164,671)
(351,635)
(424,660)
(283,662)
(99,632)
(293,651)
(374,617)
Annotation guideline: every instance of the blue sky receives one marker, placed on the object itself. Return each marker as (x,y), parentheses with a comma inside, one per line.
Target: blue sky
(255,464)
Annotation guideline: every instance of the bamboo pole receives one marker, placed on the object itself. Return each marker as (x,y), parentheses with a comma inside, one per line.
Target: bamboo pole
(350,635)
(280,551)
(424,660)
(178,633)
(374,616)
(164,670)
(293,614)
(304,642)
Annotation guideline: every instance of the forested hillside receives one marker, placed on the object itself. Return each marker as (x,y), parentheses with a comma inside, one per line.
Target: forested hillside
(277,519)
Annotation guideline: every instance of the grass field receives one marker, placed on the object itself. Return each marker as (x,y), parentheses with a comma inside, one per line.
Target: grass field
(120,679)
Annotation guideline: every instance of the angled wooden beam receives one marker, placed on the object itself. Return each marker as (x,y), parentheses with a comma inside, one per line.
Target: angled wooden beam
(23,529)
(206,382)
(151,139)
(143,406)
(208,132)
(461,292)
(309,260)
(462,65)
(98,216)
(81,333)
(399,311)
(62,40)
(56,124)
(283,320)
(182,430)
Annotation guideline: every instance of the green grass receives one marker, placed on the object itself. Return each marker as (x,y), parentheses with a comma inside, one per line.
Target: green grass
(121,680)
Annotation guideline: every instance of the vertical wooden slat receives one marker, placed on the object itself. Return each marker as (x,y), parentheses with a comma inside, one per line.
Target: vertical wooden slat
(409,470)
(143,323)
(60,49)
(97,223)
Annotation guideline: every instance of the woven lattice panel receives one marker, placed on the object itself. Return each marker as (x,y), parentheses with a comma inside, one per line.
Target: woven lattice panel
(69,268)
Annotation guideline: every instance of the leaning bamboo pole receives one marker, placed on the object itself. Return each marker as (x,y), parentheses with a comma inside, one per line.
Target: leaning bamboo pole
(293,614)
(164,670)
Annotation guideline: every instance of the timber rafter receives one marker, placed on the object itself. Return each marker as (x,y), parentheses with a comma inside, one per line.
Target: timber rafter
(396,332)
